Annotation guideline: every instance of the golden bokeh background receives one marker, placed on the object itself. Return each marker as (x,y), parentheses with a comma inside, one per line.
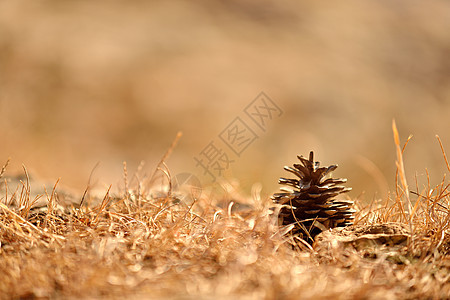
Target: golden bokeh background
(114,81)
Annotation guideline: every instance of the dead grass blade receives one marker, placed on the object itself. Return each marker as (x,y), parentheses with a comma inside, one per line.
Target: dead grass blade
(403,181)
(4,167)
(102,206)
(165,157)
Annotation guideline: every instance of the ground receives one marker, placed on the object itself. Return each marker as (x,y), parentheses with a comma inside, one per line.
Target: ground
(147,244)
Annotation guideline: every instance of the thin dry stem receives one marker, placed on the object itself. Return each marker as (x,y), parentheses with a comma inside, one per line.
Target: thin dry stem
(401,173)
(166,155)
(3,170)
(443,153)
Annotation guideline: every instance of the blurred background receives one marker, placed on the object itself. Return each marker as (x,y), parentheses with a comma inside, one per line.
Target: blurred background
(83,82)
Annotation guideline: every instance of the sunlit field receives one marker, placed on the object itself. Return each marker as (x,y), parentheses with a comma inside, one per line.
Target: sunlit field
(142,142)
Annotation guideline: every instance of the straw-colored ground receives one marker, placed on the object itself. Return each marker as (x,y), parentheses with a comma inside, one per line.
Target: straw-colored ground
(147,244)
(113,81)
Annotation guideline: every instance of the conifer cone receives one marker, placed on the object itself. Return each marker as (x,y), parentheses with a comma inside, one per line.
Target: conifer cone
(311,205)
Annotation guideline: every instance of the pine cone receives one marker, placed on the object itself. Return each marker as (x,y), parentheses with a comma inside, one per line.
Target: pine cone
(311,205)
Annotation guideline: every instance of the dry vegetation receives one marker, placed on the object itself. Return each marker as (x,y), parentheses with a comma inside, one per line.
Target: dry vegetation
(145,244)
(114,80)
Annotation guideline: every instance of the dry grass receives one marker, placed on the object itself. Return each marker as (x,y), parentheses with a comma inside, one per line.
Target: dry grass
(151,245)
